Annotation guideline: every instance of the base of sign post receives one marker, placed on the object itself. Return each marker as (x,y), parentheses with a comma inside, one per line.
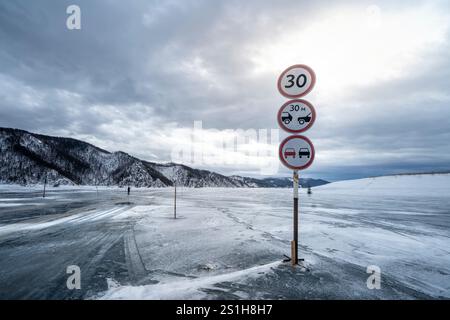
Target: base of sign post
(288,259)
(294,259)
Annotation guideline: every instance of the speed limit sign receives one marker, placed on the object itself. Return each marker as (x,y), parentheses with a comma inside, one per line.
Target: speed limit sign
(296,81)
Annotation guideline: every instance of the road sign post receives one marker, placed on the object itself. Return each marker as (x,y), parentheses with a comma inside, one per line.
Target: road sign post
(45,185)
(175,202)
(294,258)
(296,116)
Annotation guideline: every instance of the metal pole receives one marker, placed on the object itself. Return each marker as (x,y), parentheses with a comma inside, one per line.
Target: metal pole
(45,184)
(295,235)
(175,202)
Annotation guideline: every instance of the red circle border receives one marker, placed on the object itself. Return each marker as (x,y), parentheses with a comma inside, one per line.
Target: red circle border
(313,111)
(280,152)
(313,81)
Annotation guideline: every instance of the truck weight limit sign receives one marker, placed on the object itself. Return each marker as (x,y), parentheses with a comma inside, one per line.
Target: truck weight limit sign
(296,152)
(296,81)
(296,116)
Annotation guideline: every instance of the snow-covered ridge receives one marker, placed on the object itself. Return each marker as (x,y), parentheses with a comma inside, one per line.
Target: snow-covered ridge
(414,184)
(27,158)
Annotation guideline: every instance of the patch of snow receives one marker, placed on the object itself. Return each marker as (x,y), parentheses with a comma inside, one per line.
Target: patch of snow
(184,289)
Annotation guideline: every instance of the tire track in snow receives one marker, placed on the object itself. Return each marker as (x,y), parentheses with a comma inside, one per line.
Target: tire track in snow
(136,268)
(39,224)
(249,226)
(97,216)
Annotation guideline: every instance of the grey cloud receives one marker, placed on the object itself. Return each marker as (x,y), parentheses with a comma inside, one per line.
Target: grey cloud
(134,58)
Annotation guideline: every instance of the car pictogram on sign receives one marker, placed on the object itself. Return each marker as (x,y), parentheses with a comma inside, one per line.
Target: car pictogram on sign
(303,120)
(289,152)
(304,152)
(286,117)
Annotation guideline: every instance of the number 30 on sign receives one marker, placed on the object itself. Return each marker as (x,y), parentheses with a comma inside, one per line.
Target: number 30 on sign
(296,81)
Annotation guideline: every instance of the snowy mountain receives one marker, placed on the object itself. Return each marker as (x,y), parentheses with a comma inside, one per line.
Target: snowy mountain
(279,182)
(189,177)
(29,158)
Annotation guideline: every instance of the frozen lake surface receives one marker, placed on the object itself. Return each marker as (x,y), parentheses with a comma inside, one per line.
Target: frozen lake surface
(228,243)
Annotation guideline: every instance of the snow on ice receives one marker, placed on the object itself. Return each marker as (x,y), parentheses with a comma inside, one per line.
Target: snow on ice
(229,243)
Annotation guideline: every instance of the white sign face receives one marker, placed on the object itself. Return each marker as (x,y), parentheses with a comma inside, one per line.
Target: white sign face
(296,152)
(296,116)
(296,81)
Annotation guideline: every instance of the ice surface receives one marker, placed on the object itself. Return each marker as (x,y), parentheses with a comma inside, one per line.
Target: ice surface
(228,243)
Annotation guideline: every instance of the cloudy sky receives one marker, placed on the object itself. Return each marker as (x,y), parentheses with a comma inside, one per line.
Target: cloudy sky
(140,73)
